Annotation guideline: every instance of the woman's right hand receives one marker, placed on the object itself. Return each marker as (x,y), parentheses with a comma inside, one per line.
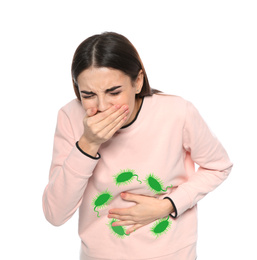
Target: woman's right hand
(100,127)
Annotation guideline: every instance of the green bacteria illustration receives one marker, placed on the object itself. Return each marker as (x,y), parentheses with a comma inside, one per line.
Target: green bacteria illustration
(118,231)
(125,177)
(101,201)
(161,226)
(155,184)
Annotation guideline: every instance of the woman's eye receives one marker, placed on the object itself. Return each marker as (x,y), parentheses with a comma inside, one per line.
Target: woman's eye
(87,96)
(115,93)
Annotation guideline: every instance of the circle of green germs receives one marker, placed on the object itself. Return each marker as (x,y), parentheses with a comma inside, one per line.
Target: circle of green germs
(124,177)
(155,184)
(161,226)
(101,200)
(118,231)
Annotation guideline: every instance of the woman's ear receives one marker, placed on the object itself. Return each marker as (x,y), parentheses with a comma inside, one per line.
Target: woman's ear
(139,81)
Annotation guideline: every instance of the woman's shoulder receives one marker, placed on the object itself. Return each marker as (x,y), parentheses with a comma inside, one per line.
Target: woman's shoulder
(167,106)
(170,101)
(169,97)
(73,109)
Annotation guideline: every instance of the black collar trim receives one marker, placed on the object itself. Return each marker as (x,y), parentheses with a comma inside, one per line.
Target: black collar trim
(125,126)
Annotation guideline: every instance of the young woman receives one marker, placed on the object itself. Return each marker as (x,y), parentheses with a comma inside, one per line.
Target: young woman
(124,155)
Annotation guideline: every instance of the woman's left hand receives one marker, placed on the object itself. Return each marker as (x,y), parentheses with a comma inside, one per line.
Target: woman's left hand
(146,210)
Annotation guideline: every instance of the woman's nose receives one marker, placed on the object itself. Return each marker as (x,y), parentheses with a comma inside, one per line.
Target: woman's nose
(102,104)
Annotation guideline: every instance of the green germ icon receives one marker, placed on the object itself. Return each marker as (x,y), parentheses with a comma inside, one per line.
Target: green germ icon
(124,177)
(118,231)
(155,184)
(161,226)
(101,201)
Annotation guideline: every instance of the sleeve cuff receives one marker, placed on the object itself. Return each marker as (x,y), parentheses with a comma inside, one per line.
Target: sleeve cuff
(79,163)
(175,213)
(88,155)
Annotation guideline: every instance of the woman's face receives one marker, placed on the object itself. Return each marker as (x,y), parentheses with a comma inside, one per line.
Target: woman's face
(103,87)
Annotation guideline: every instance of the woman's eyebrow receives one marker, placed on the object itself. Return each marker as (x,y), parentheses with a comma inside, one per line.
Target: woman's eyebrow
(112,89)
(87,92)
(106,91)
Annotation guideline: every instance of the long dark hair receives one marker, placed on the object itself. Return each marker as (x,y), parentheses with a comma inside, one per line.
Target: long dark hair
(111,50)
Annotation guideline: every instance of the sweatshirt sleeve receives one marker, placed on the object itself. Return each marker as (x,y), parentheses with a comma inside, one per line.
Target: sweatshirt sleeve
(69,173)
(206,151)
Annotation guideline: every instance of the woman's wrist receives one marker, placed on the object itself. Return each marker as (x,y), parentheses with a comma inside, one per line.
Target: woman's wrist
(89,148)
(174,212)
(166,207)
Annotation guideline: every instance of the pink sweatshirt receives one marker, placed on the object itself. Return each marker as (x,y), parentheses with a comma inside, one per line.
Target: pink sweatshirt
(152,156)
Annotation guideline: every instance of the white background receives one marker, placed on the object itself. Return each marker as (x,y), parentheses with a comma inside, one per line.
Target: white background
(204,51)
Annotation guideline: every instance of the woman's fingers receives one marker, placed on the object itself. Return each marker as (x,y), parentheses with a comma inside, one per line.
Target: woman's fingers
(98,128)
(123,223)
(137,198)
(121,217)
(111,113)
(91,111)
(111,117)
(121,214)
(103,119)
(133,228)
(109,130)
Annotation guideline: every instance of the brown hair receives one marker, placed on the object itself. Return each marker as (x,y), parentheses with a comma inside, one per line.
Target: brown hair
(111,50)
